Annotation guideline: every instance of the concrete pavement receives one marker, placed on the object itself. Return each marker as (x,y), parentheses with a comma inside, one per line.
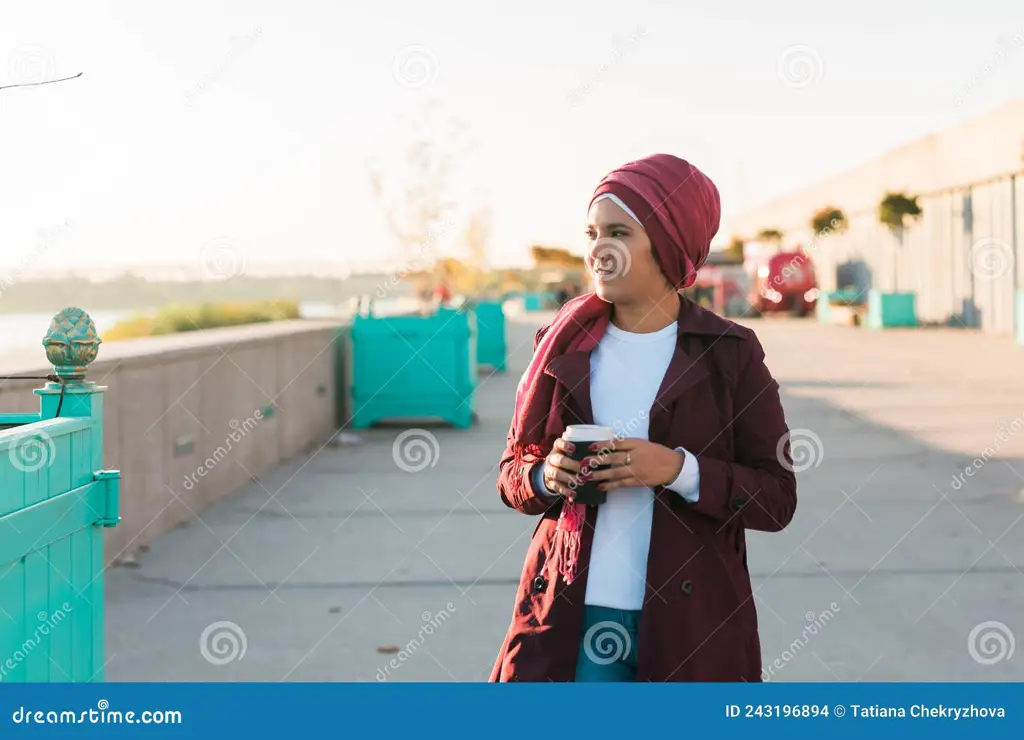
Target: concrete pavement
(342,566)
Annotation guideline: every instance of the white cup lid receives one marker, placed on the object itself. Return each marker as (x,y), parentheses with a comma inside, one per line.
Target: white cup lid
(588,433)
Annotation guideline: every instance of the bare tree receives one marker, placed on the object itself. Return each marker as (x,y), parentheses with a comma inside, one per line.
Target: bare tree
(416,192)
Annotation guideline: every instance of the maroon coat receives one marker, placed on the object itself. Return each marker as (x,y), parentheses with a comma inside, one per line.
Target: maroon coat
(699,623)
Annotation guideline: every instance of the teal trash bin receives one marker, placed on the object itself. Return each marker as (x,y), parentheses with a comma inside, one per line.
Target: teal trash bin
(491,348)
(891,310)
(413,367)
(55,502)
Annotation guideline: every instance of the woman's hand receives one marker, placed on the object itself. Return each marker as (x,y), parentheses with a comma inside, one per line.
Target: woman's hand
(560,469)
(635,462)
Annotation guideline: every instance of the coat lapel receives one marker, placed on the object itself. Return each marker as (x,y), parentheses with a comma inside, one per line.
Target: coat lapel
(572,370)
(689,366)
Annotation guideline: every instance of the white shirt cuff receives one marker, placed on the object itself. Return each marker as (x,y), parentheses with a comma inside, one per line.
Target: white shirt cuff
(687,484)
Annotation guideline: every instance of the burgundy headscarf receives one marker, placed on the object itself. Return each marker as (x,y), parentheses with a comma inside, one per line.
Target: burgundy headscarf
(679,208)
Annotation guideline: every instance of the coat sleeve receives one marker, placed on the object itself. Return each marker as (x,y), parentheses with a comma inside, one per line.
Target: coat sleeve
(759,488)
(514,485)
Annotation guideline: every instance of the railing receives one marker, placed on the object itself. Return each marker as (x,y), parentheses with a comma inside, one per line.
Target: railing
(55,501)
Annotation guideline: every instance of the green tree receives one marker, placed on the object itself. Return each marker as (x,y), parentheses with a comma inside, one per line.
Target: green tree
(828,220)
(896,212)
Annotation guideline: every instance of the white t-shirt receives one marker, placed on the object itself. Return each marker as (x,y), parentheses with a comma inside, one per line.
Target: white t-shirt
(626,372)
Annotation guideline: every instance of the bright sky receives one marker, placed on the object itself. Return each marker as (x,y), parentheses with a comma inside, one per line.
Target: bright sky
(247,124)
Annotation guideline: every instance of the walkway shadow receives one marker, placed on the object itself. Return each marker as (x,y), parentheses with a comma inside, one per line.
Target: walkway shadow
(356,565)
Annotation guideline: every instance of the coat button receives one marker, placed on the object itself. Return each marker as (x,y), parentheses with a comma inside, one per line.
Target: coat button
(540,584)
(739,502)
(686,587)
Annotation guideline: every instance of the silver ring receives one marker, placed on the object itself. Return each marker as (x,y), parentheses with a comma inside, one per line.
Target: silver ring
(629,458)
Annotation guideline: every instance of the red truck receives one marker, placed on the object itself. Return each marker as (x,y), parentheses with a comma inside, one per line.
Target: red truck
(784,281)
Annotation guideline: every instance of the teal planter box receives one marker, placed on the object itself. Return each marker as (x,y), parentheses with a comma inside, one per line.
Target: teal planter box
(55,501)
(533,302)
(887,310)
(1018,313)
(491,346)
(413,367)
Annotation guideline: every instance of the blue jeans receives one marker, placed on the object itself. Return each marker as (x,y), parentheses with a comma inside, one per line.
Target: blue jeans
(609,645)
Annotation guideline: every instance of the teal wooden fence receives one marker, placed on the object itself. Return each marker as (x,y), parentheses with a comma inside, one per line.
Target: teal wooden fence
(55,501)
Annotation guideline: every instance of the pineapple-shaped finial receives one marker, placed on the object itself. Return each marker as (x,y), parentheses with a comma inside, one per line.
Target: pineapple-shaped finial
(71,343)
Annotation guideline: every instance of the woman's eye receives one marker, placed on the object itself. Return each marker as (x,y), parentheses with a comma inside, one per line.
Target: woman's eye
(620,233)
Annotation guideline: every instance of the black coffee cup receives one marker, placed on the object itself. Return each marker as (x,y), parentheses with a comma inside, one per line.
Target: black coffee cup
(582,436)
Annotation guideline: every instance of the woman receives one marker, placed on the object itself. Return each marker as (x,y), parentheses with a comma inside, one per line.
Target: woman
(651,585)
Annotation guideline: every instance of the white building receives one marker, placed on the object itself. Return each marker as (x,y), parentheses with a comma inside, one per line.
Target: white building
(962,257)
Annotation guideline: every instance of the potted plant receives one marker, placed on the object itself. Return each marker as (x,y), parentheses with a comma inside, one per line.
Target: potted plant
(828,220)
(897,211)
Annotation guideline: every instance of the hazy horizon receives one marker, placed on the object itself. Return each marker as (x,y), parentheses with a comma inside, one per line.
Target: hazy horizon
(236,136)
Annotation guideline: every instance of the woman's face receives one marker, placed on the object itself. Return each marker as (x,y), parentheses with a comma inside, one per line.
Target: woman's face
(619,255)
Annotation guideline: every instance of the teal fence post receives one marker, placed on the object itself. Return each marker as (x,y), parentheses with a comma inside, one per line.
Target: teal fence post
(55,501)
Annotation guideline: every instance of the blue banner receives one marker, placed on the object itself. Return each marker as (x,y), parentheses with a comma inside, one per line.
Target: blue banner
(795,710)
